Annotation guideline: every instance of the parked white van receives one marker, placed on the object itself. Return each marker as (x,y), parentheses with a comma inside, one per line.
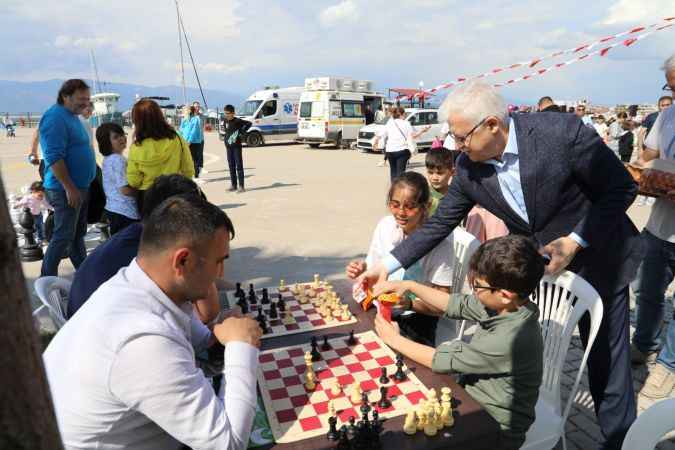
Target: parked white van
(332,110)
(417,117)
(273,113)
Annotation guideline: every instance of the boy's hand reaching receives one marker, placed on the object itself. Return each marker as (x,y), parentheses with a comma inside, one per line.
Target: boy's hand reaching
(355,268)
(387,287)
(374,275)
(388,331)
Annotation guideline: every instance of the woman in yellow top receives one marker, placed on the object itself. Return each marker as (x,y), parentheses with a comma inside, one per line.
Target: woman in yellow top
(157,149)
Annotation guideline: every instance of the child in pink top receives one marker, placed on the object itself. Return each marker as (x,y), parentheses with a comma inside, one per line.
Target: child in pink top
(37,203)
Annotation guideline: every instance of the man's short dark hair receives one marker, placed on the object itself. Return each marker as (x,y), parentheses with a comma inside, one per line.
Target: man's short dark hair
(69,87)
(510,262)
(186,218)
(229,108)
(103,136)
(439,159)
(166,186)
(545,98)
(664,97)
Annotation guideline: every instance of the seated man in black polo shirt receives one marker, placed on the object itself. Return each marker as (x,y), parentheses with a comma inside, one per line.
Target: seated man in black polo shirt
(107,259)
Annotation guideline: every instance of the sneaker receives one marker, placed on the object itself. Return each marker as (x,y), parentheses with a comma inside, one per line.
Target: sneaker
(638,357)
(232,189)
(241,189)
(659,384)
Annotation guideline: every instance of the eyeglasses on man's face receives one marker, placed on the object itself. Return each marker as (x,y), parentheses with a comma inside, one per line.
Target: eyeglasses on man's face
(666,87)
(461,141)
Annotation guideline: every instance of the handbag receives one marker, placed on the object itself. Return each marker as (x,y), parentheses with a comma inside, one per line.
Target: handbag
(412,145)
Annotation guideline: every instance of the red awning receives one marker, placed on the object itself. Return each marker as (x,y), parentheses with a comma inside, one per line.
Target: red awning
(409,92)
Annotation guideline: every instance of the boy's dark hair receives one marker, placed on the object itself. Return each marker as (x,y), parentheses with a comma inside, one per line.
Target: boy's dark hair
(36,186)
(166,186)
(664,97)
(103,137)
(439,159)
(185,217)
(510,262)
(69,87)
(229,108)
(416,183)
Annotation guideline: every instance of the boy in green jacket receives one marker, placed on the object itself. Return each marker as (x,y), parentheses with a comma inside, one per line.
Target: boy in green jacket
(503,362)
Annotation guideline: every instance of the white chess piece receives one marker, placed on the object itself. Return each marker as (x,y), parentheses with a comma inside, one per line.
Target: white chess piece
(430,425)
(331,408)
(336,389)
(410,426)
(356,393)
(421,415)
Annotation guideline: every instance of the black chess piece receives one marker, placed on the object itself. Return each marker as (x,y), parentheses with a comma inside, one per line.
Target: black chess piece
(384,401)
(273,311)
(384,379)
(242,305)
(263,324)
(325,346)
(281,304)
(265,297)
(30,250)
(365,406)
(332,432)
(343,442)
(250,289)
(351,429)
(400,374)
(352,339)
(316,356)
(261,315)
(376,423)
(239,292)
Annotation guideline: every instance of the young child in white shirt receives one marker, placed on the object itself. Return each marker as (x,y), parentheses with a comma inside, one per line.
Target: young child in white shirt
(37,203)
(408,201)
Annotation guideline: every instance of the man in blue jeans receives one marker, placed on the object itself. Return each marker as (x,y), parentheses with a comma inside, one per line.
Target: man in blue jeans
(70,168)
(658,267)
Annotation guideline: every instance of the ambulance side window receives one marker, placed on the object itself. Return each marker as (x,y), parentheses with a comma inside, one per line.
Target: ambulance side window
(269,108)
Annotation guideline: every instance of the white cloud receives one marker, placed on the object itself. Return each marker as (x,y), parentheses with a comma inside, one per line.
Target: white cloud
(634,12)
(224,69)
(346,11)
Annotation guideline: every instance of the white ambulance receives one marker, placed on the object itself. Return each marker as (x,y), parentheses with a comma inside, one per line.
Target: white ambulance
(333,110)
(273,113)
(418,118)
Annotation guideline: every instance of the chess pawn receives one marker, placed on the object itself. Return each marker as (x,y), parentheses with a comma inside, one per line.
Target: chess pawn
(432,396)
(356,393)
(345,313)
(309,383)
(430,425)
(317,281)
(410,425)
(282,285)
(446,394)
(336,389)
(331,408)
(337,313)
(422,416)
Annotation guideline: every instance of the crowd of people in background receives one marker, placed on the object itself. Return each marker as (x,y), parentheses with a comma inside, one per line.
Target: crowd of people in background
(154,283)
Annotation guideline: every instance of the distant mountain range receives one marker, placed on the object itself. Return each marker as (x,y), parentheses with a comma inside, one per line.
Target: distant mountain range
(36,96)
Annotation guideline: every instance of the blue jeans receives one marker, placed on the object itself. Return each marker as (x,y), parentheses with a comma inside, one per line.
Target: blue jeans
(653,277)
(70,226)
(39,226)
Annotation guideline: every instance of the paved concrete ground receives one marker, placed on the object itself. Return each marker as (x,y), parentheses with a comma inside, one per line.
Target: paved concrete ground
(307,211)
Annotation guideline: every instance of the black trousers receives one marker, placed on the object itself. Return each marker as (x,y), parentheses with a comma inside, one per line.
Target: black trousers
(118,221)
(609,370)
(397,162)
(197,152)
(235,162)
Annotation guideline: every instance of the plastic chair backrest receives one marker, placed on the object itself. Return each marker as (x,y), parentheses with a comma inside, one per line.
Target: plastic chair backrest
(650,426)
(465,245)
(53,293)
(562,301)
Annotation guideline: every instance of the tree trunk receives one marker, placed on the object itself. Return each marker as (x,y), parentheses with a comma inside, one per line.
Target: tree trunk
(27,418)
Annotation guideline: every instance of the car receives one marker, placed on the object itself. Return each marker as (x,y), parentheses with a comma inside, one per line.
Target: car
(417,117)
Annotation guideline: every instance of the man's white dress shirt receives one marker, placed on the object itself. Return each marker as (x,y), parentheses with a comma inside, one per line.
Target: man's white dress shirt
(122,375)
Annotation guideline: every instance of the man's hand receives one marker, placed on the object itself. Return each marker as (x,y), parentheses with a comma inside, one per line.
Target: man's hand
(74,197)
(374,275)
(208,308)
(561,251)
(388,331)
(355,268)
(238,329)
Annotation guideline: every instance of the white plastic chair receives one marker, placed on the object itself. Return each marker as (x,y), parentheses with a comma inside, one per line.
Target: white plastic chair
(53,293)
(562,301)
(464,245)
(650,426)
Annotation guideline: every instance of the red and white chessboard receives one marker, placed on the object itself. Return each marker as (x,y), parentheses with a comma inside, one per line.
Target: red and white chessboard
(296,413)
(305,316)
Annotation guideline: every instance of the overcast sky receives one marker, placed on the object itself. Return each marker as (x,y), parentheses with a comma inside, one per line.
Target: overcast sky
(242,46)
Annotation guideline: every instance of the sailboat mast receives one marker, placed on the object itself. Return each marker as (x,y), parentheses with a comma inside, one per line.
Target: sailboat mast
(96,82)
(180,46)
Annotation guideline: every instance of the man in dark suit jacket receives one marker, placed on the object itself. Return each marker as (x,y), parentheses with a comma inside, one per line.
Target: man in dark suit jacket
(549,177)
